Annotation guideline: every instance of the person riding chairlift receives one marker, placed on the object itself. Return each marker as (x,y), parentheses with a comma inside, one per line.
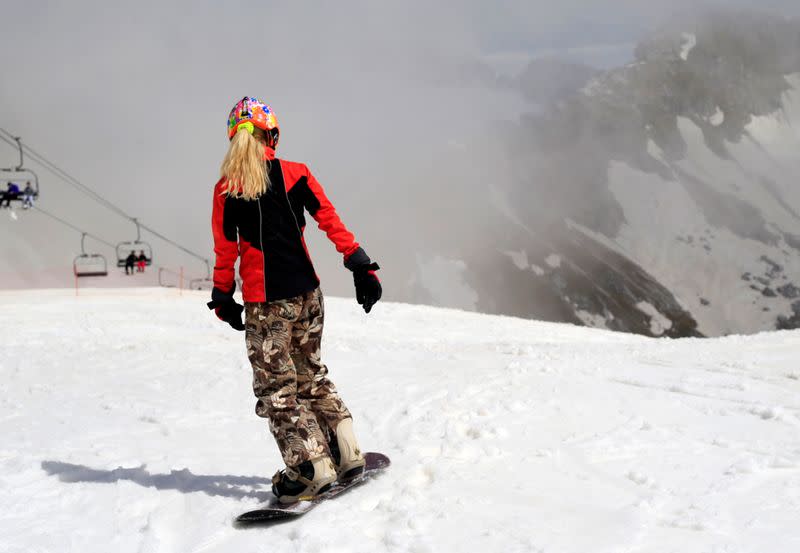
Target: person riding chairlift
(11,193)
(130,261)
(27,196)
(141,262)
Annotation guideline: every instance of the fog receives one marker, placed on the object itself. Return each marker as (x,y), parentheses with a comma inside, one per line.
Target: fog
(389,105)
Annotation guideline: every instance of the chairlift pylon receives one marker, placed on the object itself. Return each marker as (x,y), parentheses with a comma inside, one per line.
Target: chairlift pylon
(89,264)
(19,175)
(124,248)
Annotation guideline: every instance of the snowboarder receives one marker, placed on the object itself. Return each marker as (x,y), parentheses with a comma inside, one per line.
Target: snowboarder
(258,216)
(130,261)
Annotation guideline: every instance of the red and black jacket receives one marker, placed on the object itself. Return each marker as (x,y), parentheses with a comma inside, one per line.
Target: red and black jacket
(267,233)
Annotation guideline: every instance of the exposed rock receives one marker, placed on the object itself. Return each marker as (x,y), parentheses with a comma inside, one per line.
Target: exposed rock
(790,322)
(560,158)
(592,283)
(789,291)
(775,269)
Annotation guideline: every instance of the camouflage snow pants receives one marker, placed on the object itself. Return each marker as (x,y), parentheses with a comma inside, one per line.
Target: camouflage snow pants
(289,379)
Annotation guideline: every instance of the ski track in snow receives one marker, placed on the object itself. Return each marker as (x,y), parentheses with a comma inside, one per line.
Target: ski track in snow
(128,426)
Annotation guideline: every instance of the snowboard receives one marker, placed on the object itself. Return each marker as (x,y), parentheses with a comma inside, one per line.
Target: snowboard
(275,511)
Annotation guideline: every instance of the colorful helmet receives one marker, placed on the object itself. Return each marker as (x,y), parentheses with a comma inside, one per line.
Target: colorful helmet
(253,111)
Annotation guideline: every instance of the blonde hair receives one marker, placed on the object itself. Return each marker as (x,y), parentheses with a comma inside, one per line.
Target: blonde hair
(244,167)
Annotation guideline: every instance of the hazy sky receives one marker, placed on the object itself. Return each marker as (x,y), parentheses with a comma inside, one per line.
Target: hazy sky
(132,99)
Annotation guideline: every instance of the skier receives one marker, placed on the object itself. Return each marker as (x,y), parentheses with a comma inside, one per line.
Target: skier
(258,216)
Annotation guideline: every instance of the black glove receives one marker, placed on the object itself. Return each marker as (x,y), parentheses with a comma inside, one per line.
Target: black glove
(226,307)
(368,286)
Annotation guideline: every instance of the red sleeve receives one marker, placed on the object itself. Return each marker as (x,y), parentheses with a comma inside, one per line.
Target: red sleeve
(225,244)
(323,212)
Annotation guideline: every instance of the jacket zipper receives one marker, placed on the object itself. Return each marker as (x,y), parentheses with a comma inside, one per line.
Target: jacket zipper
(296,224)
(263,253)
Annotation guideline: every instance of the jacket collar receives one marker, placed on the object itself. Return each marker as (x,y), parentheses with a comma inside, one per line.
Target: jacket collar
(269,153)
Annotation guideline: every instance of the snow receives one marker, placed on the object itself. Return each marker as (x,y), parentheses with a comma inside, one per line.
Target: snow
(717,118)
(696,255)
(521,262)
(593,320)
(446,283)
(128,426)
(519,259)
(689,42)
(553,260)
(659,323)
(668,215)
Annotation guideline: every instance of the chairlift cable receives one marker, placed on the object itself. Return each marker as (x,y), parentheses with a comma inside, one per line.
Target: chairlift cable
(59,172)
(173,243)
(75,183)
(8,141)
(73,227)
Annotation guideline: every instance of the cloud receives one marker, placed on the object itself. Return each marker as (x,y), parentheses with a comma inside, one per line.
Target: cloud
(132,97)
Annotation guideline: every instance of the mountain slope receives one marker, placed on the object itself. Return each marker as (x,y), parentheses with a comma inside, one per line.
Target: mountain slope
(127,425)
(659,198)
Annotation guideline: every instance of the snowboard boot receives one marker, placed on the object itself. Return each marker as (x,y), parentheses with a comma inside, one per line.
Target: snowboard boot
(345,452)
(304,482)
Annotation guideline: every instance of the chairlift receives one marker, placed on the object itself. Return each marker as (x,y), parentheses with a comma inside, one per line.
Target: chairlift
(89,264)
(162,281)
(136,246)
(19,175)
(206,283)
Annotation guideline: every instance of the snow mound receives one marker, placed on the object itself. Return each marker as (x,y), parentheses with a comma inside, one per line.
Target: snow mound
(128,425)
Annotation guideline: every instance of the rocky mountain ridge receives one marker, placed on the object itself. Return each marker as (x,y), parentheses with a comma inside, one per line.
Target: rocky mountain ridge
(666,189)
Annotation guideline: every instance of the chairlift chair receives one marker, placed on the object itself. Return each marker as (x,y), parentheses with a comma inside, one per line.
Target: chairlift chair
(89,264)
(19,175)
(201,284)
(161,281)
(136,246)
(206,283)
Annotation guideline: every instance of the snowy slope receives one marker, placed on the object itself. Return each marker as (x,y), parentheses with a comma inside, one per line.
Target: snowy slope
(128,426)
(658,198)
(693,250)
